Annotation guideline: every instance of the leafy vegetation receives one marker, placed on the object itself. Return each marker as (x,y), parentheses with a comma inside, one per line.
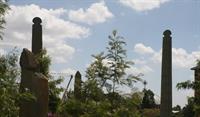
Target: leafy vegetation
(8,85)
(96,97)
(148,99)
(99,96)
(3,9)
(193,107)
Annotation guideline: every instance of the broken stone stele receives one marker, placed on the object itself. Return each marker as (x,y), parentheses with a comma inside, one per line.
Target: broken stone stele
(31,78)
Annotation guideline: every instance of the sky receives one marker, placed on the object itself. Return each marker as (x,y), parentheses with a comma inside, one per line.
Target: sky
(73,30)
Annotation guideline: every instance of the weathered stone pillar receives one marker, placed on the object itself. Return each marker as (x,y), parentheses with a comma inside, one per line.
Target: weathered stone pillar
(166,76)
(31,78)
(28,66)
(37,38)
(77,85)
(40,83)
(34,82)
(197,90)
(37,35)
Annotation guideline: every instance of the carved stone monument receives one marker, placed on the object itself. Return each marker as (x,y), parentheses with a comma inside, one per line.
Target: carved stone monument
(37,35)
(31,79)
(166,76)
(77,85)
(197,91)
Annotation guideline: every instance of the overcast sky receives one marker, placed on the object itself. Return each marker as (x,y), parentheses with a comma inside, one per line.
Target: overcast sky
(73,30)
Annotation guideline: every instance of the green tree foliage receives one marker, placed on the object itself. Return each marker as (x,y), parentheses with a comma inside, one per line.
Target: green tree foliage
(45,62)
(3,9)
(77,86)
(99,95)
(153,112)
(177,111)
(148,99)
(109,70)
(54,93)
(71,108)
(98,71)
(118,62)
(91,91)
(195,85)
(189,85)
(8,85)
(126,107)
(188,110)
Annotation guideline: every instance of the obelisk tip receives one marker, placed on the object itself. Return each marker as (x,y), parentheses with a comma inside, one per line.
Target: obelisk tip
(37,20)
(167,33)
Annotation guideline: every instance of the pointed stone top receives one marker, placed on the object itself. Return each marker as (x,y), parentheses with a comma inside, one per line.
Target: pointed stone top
(167,33)
(27,60)
(78,74)
(37,20)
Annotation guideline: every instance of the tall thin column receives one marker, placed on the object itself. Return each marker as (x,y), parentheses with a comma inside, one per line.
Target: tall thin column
(166,75)
(37,38)
(77,85)
(37,35)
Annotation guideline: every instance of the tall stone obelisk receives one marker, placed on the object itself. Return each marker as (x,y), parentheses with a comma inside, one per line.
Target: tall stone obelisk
(37,35)
(166,75)
(37,38)
(32,80)
(77,85)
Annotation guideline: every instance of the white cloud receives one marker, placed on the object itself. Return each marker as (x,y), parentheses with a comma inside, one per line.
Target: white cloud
(157,56)
(144,69)
(143,5)
(55,30)
(142,49)
(69,71)
(180,57)
(96,13)
(2,52)
(139,61)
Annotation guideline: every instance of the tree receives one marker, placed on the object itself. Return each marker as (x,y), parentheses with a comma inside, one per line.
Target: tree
(8,84)
(104,74)
(188,110)
(54,93)
(98,70)
(118,62)
(177,111)
(148,99)
(3,9)
(195,85)
(91,91)
(177,108)
(109,70)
